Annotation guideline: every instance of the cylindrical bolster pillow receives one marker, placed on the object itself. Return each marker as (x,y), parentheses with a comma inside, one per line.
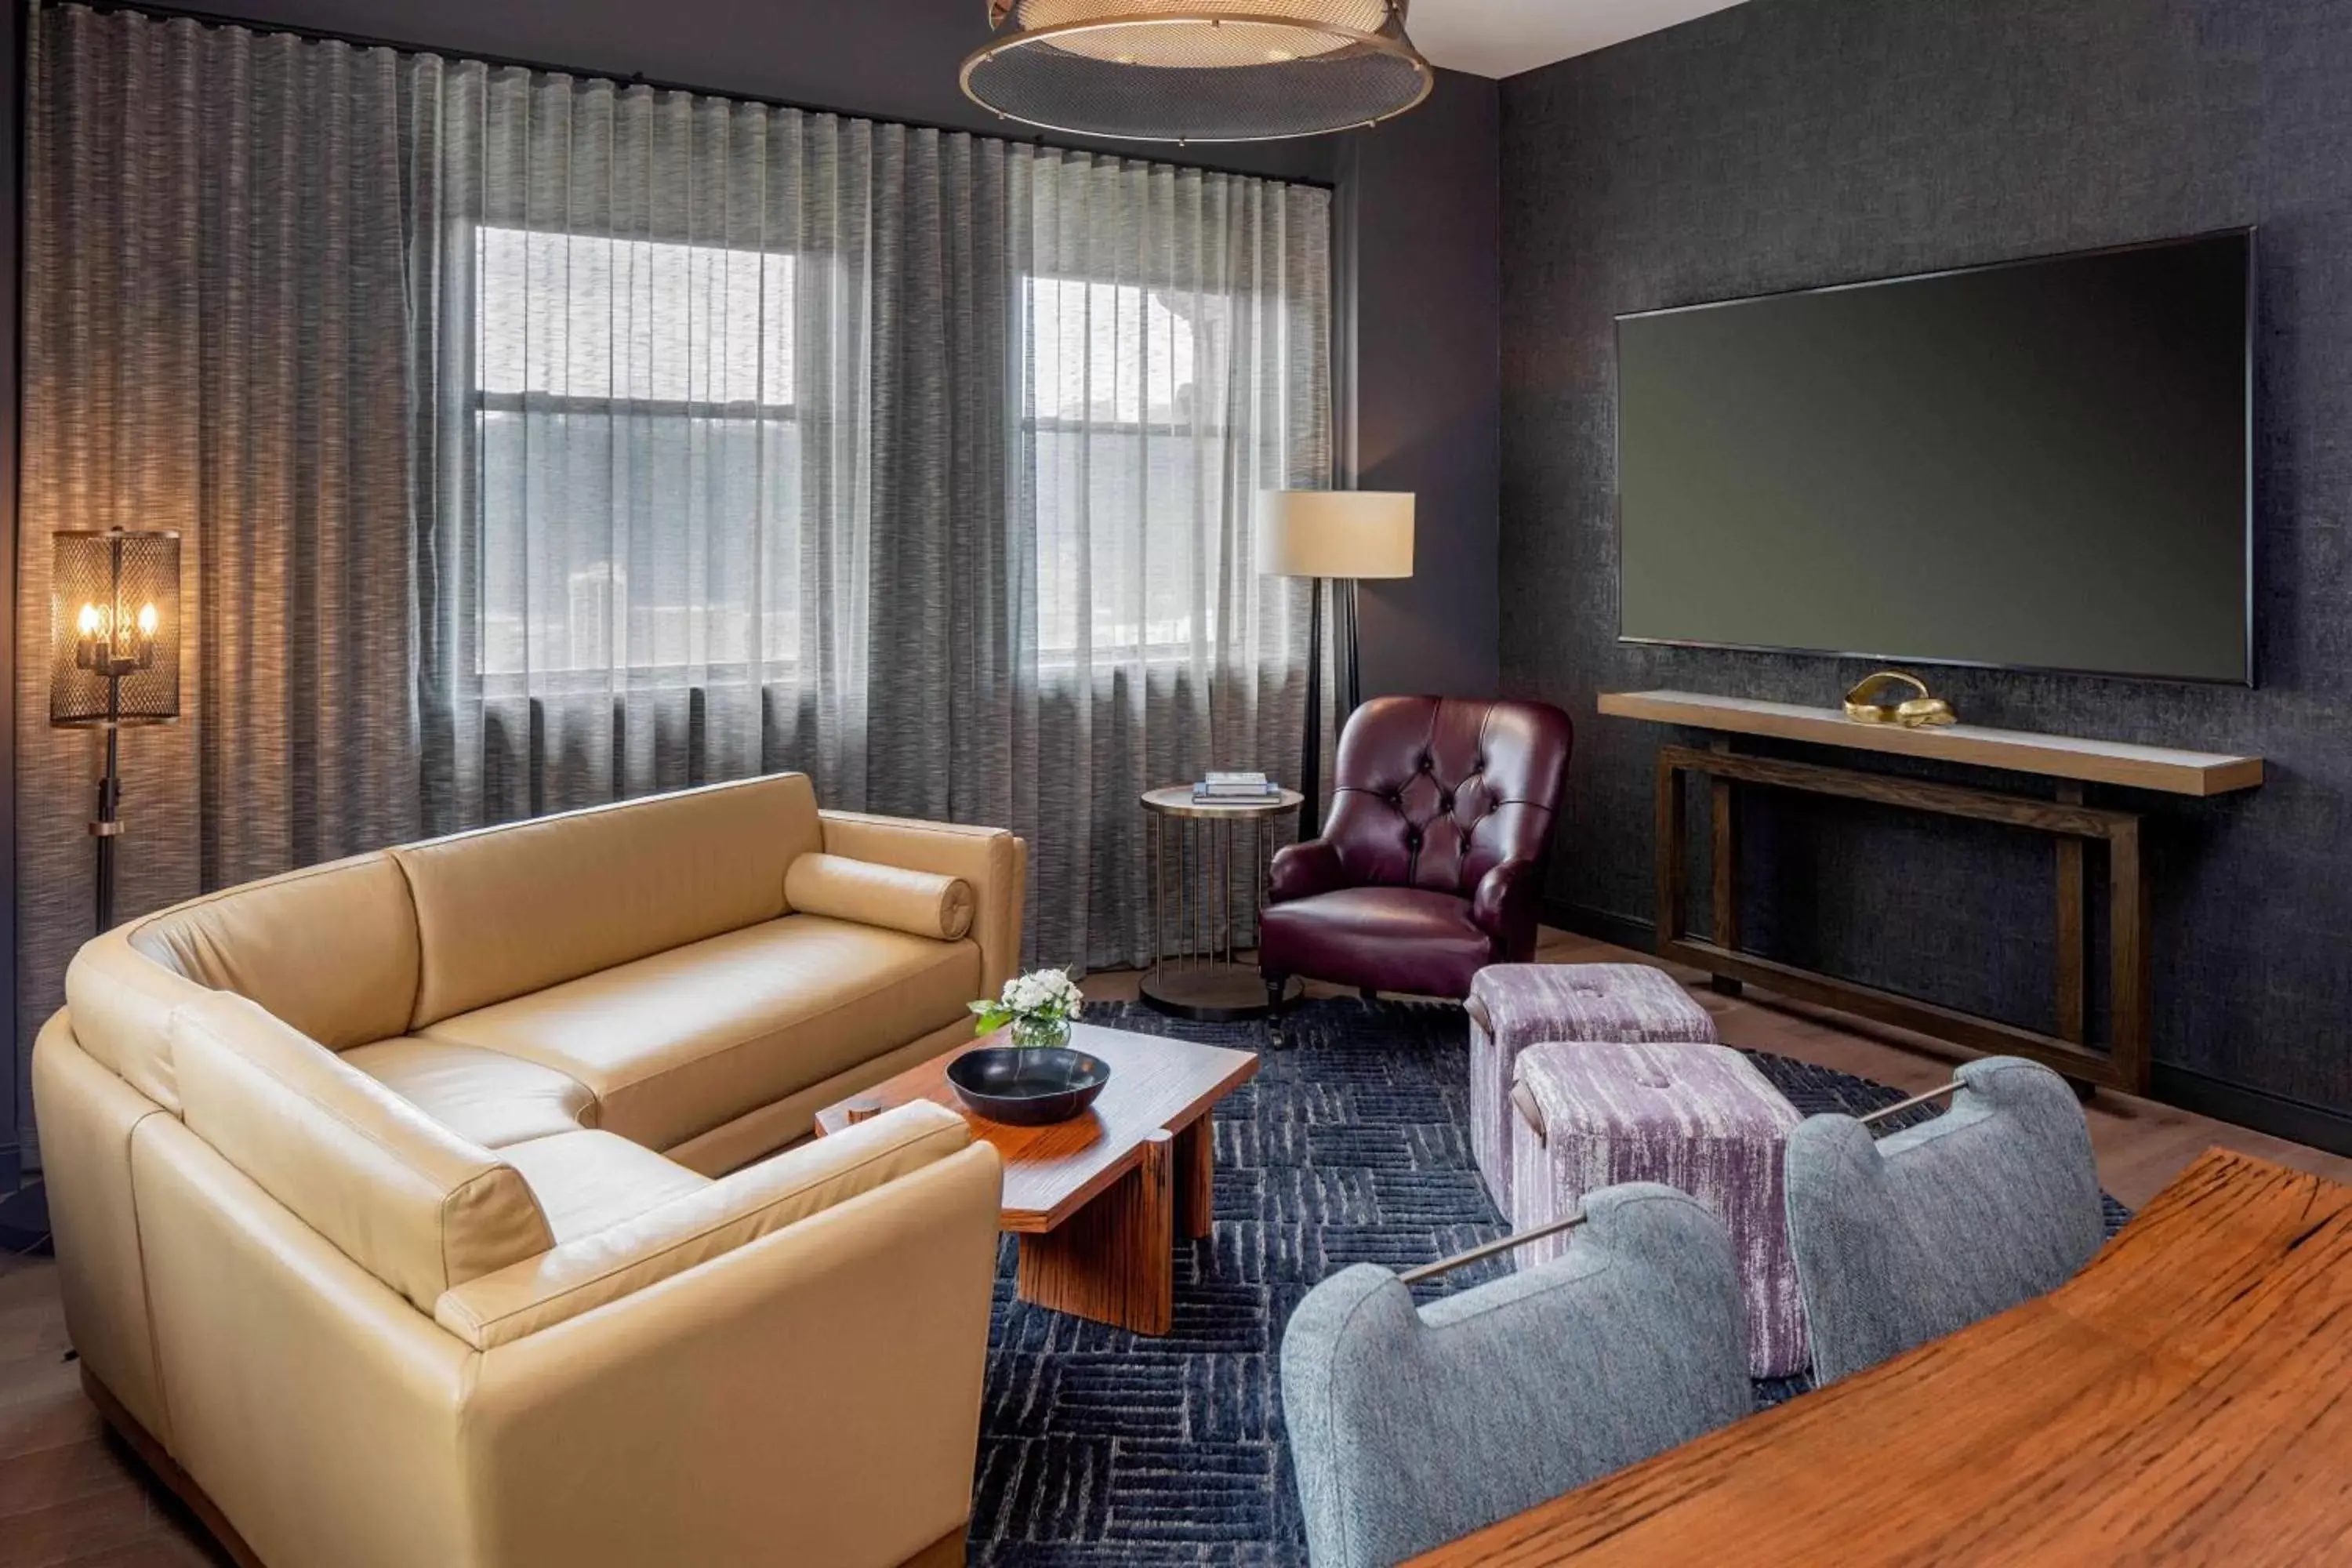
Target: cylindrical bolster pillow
(916,902)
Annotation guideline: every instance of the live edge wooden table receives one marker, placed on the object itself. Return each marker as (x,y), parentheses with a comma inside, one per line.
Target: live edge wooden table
(1097,1202)
(2187,1398)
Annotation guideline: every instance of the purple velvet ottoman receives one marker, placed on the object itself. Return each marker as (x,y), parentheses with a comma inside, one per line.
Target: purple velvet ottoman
(1515,1006)
(1698,1118)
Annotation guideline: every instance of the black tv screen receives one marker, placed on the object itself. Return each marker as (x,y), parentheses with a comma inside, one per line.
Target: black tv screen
(2040,464)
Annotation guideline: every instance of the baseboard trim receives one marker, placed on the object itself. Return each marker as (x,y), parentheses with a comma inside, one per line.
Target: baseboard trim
(1619,931)
(2297,1121)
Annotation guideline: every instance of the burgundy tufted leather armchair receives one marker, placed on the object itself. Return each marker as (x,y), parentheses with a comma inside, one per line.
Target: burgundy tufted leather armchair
(1431,867)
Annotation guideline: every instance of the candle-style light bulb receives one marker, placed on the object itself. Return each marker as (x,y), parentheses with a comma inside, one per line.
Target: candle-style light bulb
(90,622)
(147,620)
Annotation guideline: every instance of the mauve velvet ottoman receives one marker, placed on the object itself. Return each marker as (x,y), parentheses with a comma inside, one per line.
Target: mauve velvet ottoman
(1515,1006)
(1698,1118)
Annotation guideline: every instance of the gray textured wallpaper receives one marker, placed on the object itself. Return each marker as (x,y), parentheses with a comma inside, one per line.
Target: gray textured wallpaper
(1787,143)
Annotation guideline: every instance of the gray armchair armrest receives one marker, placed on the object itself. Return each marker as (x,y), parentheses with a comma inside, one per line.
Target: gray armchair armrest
(1411,1427)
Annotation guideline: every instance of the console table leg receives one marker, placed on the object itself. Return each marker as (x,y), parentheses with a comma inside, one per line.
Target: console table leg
(2072,938)
(1725,870)
(1670,853)
(2127,937)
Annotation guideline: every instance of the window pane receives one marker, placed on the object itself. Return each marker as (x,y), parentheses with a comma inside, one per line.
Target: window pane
(640,460)
(1129,464)
(588,316)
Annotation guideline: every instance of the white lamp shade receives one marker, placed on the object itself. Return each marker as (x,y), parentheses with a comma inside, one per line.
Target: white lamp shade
(1335,533)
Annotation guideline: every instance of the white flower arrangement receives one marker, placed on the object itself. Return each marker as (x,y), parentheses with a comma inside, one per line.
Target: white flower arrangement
(1039,1005)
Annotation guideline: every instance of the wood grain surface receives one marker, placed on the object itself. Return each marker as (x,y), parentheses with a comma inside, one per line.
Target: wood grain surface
(1113,1260)
(1050,1172)
(2182,1400)
(2174,772)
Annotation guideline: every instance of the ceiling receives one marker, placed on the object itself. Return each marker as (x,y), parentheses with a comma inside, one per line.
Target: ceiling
(1504,38)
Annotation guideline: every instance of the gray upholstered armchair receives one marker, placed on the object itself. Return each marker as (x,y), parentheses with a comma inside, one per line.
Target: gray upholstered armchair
(1410,1427)
(1926,1230)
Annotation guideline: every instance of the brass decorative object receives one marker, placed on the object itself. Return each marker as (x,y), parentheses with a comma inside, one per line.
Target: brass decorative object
(1873,701)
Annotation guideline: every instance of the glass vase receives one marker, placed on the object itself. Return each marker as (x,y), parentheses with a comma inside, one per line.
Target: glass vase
(1035,1032)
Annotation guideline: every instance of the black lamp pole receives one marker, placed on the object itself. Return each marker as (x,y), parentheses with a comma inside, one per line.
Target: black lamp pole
(1351,693)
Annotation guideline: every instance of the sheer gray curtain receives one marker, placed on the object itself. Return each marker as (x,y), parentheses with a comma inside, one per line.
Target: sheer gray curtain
(538,441)
(215,319)
(923,462)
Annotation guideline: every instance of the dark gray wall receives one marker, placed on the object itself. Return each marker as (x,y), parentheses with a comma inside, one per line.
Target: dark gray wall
(1429,398)
(1785,143)
(1423,188)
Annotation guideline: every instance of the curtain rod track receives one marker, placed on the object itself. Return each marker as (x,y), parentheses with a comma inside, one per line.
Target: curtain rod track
(164,10)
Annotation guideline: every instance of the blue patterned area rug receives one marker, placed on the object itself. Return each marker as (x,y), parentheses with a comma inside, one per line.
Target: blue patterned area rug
(1101,1448)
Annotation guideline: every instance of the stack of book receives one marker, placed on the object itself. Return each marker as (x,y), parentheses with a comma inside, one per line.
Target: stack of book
(1235,789)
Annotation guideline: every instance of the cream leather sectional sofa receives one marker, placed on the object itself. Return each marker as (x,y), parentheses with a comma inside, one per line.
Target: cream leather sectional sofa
(415,1207)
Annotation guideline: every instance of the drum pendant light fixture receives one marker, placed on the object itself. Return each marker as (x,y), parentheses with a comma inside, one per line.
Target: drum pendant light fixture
(1197,70)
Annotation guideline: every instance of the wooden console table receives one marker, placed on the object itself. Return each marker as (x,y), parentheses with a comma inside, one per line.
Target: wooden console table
(2072,763)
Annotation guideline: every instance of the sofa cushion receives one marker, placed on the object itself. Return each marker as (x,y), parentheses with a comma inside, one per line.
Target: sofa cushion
(331,950)
(920,903)
(510,911)
(481,1096)
(587,1182)
(681,1042)
(401,1195)
(662,1241)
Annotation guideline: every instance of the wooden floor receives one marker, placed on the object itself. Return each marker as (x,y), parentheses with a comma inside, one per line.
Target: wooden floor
(71,1494)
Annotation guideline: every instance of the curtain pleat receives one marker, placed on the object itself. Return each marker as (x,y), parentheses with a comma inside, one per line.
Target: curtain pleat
(540,440)
(214,332)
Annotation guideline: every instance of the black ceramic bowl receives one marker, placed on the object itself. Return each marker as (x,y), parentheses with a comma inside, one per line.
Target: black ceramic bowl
(1028,1086)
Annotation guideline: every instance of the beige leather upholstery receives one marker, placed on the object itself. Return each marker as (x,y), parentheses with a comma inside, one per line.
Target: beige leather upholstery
(312,1403)
(812,1397)
(631,1362)
(684,1041)
(590,1182)
(626,1257)
(995,863)
(787,1120)
(331,950)
(518,909)
(920,903)
(88,1117)
(402,1197)
(481,1096)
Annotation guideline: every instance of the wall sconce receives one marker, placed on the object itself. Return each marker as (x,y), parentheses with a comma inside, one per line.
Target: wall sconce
(114,611)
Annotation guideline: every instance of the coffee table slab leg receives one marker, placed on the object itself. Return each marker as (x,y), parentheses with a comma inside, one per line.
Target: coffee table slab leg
(1196,1179)
(1113,1260)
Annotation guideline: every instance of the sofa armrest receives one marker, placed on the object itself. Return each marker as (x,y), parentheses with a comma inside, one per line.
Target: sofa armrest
(810,1397)
(1503,905)
(592,1271)
(994,862)
(1303,870)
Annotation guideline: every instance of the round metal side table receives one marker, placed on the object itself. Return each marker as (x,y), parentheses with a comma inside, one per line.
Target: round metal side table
(1196,970)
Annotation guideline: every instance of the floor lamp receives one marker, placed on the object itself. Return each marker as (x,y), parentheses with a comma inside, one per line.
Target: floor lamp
(1343,537)
(114,615)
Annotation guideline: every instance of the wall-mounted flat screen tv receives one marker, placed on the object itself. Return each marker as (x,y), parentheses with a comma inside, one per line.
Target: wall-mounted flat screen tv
(2039,465)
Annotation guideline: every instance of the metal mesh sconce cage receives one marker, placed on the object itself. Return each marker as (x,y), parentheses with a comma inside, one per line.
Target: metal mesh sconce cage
(1197,70)
(114,614)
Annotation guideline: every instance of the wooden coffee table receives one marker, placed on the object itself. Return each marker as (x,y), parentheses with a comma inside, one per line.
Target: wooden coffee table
(1097,1202)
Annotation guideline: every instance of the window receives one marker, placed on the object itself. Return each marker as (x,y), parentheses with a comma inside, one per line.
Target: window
(639,454)
(1127,461)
